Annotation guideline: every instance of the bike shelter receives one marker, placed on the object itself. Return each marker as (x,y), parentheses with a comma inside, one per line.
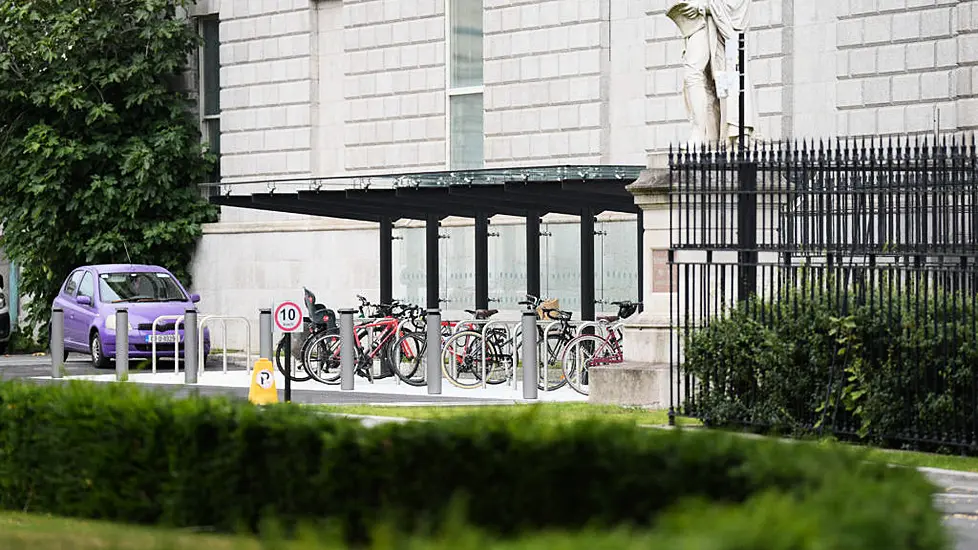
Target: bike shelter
(528,192)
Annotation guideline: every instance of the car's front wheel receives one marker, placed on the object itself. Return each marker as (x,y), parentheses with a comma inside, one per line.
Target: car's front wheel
(99,360)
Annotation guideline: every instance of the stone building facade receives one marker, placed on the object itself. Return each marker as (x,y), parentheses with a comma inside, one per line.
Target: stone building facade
(317,88)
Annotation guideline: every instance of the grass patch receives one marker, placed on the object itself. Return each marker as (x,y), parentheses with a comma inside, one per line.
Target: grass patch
(40,532)
(554,412)
(926,460)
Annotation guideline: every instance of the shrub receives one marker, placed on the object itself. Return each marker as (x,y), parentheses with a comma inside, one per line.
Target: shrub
(118,452)
(888,362)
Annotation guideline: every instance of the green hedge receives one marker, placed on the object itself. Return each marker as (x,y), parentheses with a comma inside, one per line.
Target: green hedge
(121,453)
(892,363)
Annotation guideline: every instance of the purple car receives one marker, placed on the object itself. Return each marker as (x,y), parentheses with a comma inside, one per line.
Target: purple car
(91,294)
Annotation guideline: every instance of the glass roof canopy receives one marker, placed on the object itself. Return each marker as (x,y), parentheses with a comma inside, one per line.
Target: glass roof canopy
(594,174)
(521,191)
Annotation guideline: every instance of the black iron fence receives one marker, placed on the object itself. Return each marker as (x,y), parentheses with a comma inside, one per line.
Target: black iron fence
(829,288)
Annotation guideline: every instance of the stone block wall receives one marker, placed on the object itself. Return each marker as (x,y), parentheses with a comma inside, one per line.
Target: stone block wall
(896,63)
(265,89)
(394,84)
(545,92)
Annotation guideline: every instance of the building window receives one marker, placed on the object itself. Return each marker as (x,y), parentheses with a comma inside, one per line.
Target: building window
(464,98)
(210,91)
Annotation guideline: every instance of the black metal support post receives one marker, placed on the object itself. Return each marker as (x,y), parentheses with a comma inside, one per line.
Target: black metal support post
(288,366)
(587,264)
(386,261)
(533,254)
(481,260)
(431,260)
(747,230)
(265,336)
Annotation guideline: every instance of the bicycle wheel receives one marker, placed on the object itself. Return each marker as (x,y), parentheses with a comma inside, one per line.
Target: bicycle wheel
(299,372)
(498,340)
(461,359)
(551,374)
(321,358)
(407,358)
(581,353)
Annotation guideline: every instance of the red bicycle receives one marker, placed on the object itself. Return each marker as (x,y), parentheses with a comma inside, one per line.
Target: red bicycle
(373,340)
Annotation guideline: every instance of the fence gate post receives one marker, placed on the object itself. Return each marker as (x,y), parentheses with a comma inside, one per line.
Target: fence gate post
(433,344)
(265,331)
(746,228)
(57,342)
(530,373)
(346,349)
(122,344)
(189,346)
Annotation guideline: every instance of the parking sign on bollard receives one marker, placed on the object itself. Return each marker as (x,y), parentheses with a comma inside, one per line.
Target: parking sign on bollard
(57,342)
(433,345)
(346,349)
(530,373)
(189,345)
(121,344)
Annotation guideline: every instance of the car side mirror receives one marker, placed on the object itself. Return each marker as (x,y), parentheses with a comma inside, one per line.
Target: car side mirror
(84,300)
(195,298)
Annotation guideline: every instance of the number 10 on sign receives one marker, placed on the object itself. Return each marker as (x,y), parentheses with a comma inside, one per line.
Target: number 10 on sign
(288,317)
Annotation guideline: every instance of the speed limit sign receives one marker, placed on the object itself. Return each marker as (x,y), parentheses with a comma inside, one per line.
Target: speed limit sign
(288,317)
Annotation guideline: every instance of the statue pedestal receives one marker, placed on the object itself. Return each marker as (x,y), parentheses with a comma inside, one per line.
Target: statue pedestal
(643,378)
(631,384)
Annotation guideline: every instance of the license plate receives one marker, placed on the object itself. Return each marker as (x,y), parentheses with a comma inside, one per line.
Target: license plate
(161,338)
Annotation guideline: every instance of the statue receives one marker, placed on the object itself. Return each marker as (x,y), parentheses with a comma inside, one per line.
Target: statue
(711,83)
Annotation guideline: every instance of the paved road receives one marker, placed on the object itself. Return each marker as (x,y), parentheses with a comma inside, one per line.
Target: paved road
(29,366)
(958,499)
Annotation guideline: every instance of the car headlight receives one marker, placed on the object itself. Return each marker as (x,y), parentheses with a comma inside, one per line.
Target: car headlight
(110,323)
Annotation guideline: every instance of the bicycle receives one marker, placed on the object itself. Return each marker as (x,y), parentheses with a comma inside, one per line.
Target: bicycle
(483,354)
(322,353)
(587,350)
(413,345)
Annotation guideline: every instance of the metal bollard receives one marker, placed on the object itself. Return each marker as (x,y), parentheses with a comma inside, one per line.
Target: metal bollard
(433,345)
(265,330)
(346,349)
(122,344)
(57,342)
(530,373)
(189,344)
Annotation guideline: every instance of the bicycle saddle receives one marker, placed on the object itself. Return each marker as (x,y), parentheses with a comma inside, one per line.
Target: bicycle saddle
(557,314)
(482,313)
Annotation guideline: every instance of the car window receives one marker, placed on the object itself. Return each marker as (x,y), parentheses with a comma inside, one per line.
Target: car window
(86,287)
(139,287)
(72,285)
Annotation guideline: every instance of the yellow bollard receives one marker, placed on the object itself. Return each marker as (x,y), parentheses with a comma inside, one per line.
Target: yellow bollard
(263,390)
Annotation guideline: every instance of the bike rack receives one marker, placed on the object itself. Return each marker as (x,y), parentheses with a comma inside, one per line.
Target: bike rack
(178,319)
(602,325)
(224,323)
(509,336)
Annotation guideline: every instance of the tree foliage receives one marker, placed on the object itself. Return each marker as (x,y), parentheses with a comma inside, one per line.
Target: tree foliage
(100,150)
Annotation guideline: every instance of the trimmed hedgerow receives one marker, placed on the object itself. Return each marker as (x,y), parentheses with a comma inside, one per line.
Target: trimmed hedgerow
(121,453)
(889,361)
